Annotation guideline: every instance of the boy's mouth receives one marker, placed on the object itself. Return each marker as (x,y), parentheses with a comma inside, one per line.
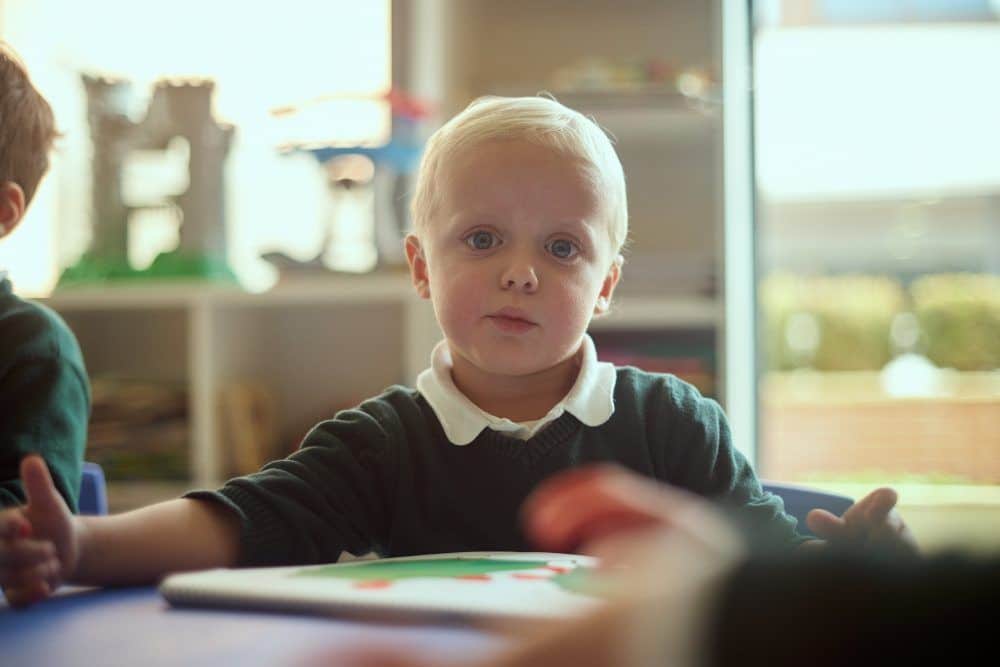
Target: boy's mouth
(511,320)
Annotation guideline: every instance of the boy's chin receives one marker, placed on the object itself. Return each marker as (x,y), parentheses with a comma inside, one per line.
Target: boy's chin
(520,365)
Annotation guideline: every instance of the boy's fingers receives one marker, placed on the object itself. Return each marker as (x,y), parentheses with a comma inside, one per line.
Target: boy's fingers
(38,485)
(577,518)
(612,484)
(892,533)
(880,504)
(826,525)
(19,553)
(592,503)
(874,502)
(27,595)
(566,482)
(13,524)
(29,576)
(556,525)
(547,513)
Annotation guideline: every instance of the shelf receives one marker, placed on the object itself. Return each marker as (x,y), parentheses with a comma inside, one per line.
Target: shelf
(335,289)
(395,288)
(636,114)
(665,98)
(660,313)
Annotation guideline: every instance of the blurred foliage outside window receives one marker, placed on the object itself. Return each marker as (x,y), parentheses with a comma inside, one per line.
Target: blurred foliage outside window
(879,243)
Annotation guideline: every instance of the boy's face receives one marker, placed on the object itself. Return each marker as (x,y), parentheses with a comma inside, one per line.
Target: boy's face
(517,259)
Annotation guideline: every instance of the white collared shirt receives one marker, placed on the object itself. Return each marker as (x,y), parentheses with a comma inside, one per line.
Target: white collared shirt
(591,400)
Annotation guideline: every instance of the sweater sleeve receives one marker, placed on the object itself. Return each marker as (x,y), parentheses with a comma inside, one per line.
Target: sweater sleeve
(46,406)
(703,460)
(332,495)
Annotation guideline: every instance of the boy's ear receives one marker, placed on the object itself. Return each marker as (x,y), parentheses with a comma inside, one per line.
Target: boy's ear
(608,286)
(418,266)
(11,207)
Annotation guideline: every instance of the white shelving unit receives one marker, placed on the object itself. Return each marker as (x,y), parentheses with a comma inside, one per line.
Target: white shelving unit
(318,347)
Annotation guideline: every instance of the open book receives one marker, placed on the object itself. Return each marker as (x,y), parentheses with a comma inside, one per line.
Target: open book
(451,586)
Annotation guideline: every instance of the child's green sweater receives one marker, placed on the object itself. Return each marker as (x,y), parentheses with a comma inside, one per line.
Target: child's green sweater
(44,397)
(383,477)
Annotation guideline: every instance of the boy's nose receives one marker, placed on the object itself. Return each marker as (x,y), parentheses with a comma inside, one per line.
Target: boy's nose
(519,278)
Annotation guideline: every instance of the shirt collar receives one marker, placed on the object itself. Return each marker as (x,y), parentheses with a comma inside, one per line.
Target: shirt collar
(591,399)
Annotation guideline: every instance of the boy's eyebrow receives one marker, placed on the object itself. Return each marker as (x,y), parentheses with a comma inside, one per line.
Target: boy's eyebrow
(483,216)
(470,216)
(577,222)
(588,226)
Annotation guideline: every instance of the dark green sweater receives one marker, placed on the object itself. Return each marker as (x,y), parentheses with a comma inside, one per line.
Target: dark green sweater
(383,477)
(44,397)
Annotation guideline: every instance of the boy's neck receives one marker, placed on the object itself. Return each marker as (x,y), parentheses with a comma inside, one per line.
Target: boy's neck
(519,398)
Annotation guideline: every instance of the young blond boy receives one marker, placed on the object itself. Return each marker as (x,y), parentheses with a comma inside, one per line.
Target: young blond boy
(520,216)
(44,392)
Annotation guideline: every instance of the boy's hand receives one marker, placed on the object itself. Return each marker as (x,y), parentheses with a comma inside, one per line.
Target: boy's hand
(870,523)
(38,545)
(587,504)
(597,507)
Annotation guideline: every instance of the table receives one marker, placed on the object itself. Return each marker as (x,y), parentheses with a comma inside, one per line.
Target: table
(135,626)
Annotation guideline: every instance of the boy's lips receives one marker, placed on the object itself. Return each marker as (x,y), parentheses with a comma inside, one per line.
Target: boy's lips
(511,320)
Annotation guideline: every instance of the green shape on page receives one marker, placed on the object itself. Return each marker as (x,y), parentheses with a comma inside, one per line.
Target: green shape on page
(394,570)
(580,580)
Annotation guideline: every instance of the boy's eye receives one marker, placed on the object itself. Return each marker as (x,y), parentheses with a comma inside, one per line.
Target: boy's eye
(563,249)
(481,240)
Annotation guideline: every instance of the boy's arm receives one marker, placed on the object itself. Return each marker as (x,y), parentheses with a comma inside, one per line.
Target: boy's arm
(332,495)
(141,546)
(701,458)
(42,545)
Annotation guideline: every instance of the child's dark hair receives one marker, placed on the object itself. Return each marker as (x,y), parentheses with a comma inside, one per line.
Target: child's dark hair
(27,126)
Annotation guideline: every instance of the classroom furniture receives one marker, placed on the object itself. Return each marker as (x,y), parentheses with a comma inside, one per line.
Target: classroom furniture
(135,626)
(800,500)
(93,490)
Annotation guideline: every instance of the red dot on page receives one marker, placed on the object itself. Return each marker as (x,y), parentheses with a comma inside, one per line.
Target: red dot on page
(531,577)
(473,577)
(373,584)
(559,569)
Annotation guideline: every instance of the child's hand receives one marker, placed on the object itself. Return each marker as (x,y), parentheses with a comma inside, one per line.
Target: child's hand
(870,523)
(591,508)
(584,505)
(38,546)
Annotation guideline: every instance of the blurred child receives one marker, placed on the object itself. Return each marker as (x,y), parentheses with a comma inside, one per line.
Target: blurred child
(520,219)
(44,392)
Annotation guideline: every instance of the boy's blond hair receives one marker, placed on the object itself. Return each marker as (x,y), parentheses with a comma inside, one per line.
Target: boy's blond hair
(27,127)
(540,120)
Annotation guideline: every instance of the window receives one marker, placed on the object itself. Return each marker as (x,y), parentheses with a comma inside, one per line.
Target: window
(878,232)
